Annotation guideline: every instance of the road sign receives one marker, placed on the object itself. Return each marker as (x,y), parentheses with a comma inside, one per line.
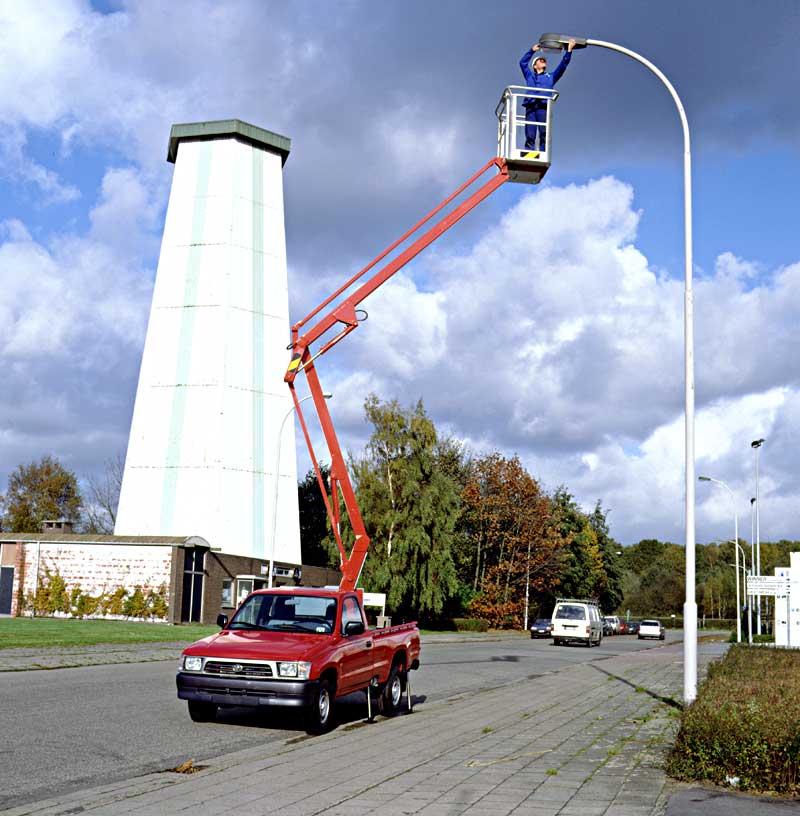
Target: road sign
(767,585)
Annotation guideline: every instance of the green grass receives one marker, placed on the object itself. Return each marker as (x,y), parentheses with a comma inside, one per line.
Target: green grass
(33,633)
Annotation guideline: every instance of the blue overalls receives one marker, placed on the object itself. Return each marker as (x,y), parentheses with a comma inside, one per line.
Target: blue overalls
(536,109)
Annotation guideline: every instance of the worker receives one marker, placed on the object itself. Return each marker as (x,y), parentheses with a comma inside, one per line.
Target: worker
(536,76)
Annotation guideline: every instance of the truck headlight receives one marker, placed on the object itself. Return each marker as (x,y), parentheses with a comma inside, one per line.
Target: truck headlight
(299,670)
(193,663)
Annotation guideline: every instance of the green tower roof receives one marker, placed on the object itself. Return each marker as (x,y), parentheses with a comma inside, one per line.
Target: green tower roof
(226,129)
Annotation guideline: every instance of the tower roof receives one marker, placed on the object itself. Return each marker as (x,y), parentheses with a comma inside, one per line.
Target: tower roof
(227,129)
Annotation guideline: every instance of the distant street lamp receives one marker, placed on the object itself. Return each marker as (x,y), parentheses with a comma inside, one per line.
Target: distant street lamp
(756,445)
(561,41)
(736,541)
(277,483)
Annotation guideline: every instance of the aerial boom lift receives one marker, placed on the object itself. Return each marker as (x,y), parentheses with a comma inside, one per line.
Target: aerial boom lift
(512,163)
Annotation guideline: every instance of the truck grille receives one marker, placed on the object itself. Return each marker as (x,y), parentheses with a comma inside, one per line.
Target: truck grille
(220,669)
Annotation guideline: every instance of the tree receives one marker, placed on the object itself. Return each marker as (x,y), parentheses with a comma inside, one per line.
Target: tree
(314,525)
(609,585)
(100,514)
(409,504)
(582,573)
(507,516)
(38,491)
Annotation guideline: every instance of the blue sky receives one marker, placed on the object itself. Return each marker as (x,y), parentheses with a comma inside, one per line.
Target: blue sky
(389,107)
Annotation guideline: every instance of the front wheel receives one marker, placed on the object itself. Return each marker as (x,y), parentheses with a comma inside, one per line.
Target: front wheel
(319,717)
(202,712)
(392,692)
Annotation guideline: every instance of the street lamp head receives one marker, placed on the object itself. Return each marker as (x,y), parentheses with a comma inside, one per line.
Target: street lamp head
(559,42)
(703,478)
(757,443)
(752,501)
(327,394)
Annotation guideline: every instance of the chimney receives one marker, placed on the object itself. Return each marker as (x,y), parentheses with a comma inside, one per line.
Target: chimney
(61,525)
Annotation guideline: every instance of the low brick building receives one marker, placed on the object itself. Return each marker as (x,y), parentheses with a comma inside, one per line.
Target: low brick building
(169,578)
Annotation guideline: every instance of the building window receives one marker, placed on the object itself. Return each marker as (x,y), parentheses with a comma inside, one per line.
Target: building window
(227,592)
(244,586)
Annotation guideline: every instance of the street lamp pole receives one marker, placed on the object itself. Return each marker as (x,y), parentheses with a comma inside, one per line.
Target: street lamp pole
(756,445)
(559,41)
(736,551)
(744,578)
(277,484)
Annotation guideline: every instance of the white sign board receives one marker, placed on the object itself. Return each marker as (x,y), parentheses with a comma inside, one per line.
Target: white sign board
(767,585)
(375,599)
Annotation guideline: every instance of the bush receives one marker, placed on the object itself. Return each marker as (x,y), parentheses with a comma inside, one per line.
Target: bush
(471,624)
(744,723)
(756,638)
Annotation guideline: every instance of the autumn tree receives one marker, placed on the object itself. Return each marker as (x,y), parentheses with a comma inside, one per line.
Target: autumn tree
(409,503)
(507,516)
(38,491)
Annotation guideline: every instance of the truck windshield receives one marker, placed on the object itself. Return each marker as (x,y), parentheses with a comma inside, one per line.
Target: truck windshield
(313,614)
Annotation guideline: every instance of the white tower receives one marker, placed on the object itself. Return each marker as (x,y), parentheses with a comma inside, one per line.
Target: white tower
(211,398)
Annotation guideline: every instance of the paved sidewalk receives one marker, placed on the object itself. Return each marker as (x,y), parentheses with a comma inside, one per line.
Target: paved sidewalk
(503,751)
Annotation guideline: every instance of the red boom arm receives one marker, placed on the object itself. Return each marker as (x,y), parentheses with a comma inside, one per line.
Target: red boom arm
(345,314)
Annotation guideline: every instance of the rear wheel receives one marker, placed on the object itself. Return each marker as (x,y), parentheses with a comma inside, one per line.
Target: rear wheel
(202,712)
(392,691)
(319,717)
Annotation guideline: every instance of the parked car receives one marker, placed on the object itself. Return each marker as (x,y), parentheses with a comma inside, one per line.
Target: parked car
(577,621)
(623,627)
(651,628)
(608,627)
(633,627)
(542,627)
(614,621)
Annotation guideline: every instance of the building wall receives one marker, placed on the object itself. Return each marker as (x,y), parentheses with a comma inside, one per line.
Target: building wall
(207,432)
(94,568)
(221,566)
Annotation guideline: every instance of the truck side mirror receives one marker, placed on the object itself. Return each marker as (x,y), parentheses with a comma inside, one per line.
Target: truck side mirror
(222,621)
(353,628)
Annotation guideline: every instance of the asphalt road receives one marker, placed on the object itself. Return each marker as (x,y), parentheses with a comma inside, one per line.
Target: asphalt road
(67,729)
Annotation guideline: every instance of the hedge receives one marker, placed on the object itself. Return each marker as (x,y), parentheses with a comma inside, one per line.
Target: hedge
(744,727)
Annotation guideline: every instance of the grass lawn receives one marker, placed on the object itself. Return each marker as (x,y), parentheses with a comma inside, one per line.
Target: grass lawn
(16,633)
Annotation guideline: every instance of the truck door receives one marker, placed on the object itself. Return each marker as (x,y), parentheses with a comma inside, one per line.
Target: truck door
(356,663)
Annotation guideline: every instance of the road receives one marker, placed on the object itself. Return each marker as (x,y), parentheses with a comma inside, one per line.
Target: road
(68,729)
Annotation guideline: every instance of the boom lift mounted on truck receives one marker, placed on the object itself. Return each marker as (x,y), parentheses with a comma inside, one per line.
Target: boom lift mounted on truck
(512,163)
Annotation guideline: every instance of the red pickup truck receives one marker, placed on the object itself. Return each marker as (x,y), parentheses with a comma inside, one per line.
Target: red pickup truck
(300,648)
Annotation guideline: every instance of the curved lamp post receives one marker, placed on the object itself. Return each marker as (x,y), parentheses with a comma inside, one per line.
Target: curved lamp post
(559,42)
(277,483)
(736,549)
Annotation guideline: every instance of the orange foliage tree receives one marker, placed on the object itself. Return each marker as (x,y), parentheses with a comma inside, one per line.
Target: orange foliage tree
(508,518)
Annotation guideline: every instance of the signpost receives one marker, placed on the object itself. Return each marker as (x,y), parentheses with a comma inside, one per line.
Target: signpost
(767,585)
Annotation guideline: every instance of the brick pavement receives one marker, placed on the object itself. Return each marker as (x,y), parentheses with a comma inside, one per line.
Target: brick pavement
(589,739)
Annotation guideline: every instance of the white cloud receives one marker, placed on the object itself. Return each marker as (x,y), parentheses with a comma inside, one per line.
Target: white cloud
(552,337)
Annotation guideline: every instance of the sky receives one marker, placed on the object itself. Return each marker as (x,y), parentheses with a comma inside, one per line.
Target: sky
(547,324)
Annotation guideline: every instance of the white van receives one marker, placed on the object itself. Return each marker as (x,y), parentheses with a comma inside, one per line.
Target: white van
(577,621)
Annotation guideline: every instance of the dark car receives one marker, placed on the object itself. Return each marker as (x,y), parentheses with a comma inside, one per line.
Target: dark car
(633,627)
(542,627)
(608,627)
